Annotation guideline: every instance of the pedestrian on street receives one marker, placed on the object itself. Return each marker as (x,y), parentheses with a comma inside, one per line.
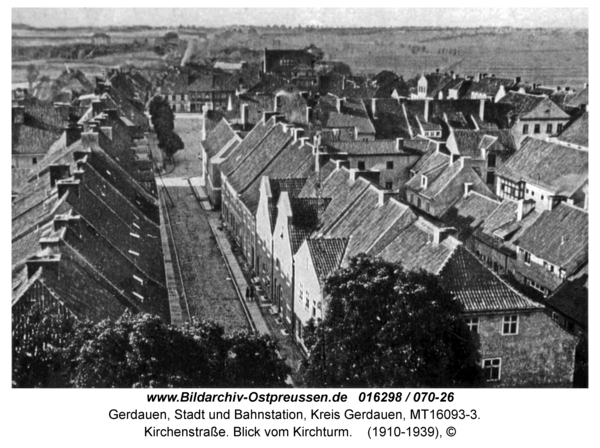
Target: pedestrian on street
(247,293)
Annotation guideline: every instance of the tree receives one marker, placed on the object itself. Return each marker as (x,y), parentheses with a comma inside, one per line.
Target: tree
(32,74)
(37,341)
(141,351)
(316,52)
(170,143)
(388,327)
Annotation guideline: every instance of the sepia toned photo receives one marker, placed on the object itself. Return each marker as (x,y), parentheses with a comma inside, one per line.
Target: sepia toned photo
(299,198)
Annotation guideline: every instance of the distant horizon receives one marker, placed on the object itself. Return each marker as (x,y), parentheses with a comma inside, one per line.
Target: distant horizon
(516,18)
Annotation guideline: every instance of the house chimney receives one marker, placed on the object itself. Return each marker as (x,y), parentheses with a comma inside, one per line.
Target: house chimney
(97,107)
(481,109)
(61,221)
(267,116)
(454,158)
(558,88)
(277,103)
(68,185)
(343,82)
(72,133)
(399,144)
(384,196)
(374,107)
(244,115)
(567,89)
(49,263)
(524,207)
(309,114)
(339,104)
(479,77)
(89,138)
(439,234)
(465,161)
(297,133)
(517,80)
(317,141)
(426,111)
(59,172)
(230,103)
(468,188)
(339,164)
(452,74)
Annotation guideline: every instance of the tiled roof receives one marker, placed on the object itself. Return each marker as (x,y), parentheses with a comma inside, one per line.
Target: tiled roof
(389,120)
(353,114)
(489,85)
(522,103)
(432,159)
(578,132)
(478,289)
(581,97)
(470,142)
(374,147)
(559,236)
(294,161)
(561,169)
(469,212)
(82,290)
(571,298)
(218,138)
(315,180)
(413,247)
(41,127)
(306,213)
(326,255)
(254,137)
(259,158)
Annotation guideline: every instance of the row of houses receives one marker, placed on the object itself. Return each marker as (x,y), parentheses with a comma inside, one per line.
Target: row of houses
(299,204)
(85,223)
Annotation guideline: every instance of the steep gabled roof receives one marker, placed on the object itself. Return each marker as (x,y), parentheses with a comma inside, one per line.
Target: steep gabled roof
(577,133)
(470,212)
(470,142)
(245,148)
(558,168)
(326,255)
(559,236)
(478,289)
(352,114)
(580,98)
(292,186)
(217,138)
(571,298)
(489,85)
(413,247)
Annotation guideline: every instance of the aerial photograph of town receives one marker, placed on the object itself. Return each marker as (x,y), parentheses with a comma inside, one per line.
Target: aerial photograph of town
(315,198)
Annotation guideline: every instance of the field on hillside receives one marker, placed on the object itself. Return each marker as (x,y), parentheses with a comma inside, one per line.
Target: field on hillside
(548,56)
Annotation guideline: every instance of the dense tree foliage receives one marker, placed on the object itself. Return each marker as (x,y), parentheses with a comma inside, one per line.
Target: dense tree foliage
(388,327)
(163,120)
(141,351)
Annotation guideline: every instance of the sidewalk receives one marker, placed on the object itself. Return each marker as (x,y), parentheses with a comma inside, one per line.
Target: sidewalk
(259,323)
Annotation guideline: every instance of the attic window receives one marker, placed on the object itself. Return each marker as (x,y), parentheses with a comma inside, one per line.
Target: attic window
(139,296)
(135,235)
(138,279)
(132,252)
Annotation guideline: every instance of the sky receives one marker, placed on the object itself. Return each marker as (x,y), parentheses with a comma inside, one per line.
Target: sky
(171,17)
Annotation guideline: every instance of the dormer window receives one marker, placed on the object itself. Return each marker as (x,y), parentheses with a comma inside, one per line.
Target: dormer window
(423,181)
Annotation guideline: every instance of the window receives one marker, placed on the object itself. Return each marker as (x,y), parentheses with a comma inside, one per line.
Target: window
(301,293)
(559,128)
(314,309)
(549,128)
(427,206)
(389,185)
(555,317)
(307,300)
(491,160)
(419,202)
(510,324)
(277,263)
(389,165)
(525,129)
(491,369)
(473,324)
(536,129)
(34,161)
(513,190)
(361,165)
